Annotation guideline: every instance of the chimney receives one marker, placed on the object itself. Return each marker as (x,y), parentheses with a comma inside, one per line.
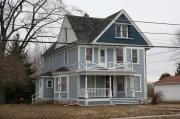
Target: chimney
(86,15)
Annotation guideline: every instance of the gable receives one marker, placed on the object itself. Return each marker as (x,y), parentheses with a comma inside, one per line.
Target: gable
(135,36)
(66,28)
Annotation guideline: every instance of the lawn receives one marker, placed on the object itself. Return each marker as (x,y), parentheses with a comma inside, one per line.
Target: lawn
(77,112)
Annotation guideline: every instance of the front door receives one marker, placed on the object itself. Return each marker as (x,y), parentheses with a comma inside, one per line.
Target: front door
(120,86)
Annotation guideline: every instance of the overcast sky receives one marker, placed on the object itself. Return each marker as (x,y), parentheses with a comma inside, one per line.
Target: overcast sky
(143,10)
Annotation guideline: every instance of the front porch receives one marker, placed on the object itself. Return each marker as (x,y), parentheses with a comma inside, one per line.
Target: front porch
(98,89)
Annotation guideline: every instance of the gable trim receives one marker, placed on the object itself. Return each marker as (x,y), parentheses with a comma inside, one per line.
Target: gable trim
(131,21)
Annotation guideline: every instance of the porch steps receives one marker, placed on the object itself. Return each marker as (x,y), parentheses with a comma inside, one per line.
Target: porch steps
(125,101)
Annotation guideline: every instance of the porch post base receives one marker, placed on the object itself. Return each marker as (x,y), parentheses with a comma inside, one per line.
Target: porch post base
(86,94)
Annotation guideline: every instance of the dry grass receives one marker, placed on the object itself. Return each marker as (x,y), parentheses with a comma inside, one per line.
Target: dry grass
(77,112)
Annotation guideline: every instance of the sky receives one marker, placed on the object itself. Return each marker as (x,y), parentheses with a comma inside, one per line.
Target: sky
(144,10)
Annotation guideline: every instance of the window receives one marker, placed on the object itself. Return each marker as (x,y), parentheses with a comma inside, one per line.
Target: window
(121,31)
(102,56)
(49,84)
(119,55)
(65,57)
(137,83)
(57,84)
(90,81)
(63,84)
(89,54)
(134,56)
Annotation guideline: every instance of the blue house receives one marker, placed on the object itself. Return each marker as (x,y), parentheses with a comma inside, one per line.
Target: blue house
(98,65)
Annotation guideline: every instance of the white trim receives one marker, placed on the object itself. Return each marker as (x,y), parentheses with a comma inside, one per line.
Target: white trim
(54,86)
(59,78)
(145,75)
(78,56)
(47,83)
(115,45)
(138,75)
(124,38)
(131,21)
(78,85)
(137,56)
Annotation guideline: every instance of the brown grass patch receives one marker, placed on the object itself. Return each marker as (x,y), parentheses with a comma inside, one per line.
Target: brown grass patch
(76,112)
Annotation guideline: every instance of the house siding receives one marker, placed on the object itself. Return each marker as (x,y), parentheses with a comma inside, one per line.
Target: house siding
(53,61)
(72,58)
(134,35)
(48,92)
(139,69)
(73,87)
(57,60)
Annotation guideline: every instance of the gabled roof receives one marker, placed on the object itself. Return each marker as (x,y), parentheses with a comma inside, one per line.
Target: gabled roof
(46,74)
(169,79)
(88,28)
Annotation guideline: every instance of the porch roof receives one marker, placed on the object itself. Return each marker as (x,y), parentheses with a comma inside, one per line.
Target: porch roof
(106,72)
(96,72)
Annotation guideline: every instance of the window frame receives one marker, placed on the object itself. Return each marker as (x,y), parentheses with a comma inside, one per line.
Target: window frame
(139,83)
(121,31)
(137,55)
(105,56)
(49,80)
(92,54)
(122,55)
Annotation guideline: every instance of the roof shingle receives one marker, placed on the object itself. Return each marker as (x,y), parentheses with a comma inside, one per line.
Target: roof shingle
(170,79)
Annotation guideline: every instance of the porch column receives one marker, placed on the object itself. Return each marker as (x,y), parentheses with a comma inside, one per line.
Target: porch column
(132,86)
(86,91)
(110,87)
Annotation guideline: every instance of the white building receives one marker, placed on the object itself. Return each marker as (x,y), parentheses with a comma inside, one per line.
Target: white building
(169,87)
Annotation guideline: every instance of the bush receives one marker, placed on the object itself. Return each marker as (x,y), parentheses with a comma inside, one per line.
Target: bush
(156,98)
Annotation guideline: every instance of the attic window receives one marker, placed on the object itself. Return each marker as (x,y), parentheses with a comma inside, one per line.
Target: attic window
(121,31)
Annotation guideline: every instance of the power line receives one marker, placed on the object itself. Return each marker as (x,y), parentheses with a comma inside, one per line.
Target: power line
(107,30)
(123,45)
(140,21)
(161,52)
(159,61)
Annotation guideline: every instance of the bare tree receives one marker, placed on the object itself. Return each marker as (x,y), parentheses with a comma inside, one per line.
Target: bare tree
(29,18)
(22,21)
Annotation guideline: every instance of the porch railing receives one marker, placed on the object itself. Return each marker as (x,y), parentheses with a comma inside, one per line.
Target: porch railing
(124,66)
(35,97)
(105,93)
(94,92)
(61,95)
